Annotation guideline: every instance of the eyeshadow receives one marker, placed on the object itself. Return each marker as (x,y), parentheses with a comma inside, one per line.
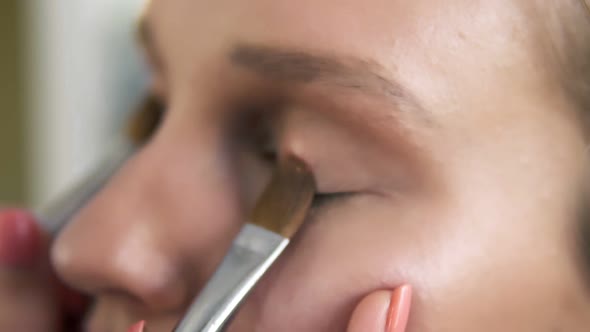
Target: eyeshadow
(145,120)
(324,199)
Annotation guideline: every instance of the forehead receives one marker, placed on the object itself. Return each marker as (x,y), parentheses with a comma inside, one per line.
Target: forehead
(306,23)
(194,33)
(441,51)
(365,28)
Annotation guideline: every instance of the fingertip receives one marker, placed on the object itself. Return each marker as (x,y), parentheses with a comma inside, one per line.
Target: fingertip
(137,327)
(399,309)
(371,314)
(20,238)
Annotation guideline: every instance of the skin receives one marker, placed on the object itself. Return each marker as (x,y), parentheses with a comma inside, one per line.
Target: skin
(461,177)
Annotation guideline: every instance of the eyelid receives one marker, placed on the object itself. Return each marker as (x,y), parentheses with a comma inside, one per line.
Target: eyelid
(324,199)
(255,124)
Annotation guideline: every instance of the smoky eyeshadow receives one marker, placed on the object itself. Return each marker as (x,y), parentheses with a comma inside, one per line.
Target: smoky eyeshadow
(321,200)
(145,119)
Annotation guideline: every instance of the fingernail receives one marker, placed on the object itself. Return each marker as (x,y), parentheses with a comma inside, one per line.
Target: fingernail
(20,238)
(137,327)
(399,309)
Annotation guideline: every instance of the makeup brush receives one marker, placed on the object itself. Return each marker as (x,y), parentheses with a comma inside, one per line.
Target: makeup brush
(278,215)
(143,123)
(54,215)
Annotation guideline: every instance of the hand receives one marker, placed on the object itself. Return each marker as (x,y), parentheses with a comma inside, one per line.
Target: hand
(382,311)
(31,298)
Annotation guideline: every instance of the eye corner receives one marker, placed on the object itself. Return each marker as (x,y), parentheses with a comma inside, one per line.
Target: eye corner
(145,120)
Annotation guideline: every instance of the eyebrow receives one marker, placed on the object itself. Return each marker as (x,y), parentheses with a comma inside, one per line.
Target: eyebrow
(298,66)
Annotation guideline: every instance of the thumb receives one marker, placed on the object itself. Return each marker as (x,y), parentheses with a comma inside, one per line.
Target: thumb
(382,311)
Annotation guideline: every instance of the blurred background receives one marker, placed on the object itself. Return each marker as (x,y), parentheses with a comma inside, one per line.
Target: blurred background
(70,73)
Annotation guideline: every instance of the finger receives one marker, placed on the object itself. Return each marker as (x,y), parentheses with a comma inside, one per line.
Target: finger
(27,302)
(137,327)
(370,315)
(382,311)
(26,295)
(29,290)
(20,239)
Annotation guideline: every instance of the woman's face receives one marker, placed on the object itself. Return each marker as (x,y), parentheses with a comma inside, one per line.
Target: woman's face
(445,153)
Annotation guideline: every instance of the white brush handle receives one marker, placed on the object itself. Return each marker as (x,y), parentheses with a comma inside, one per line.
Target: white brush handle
(57,213)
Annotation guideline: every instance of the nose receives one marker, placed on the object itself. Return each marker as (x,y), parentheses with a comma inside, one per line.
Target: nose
(158,229)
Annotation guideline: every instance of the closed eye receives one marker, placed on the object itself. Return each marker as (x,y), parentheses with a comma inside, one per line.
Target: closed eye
(321,200)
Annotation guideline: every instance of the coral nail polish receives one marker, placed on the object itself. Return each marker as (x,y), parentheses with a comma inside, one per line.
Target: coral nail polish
(20,238)
(399,309)
(137,327)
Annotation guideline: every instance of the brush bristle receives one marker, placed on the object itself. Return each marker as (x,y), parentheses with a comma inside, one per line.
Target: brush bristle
(284,204)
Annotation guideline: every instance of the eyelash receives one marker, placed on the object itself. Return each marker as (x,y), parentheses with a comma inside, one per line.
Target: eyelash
(325,199)
(252,126)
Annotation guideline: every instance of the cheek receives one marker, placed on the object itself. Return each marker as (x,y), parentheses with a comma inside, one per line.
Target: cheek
(344,252)
(467,272)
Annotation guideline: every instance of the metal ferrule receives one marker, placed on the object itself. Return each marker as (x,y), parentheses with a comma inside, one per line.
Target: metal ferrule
(251,255)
